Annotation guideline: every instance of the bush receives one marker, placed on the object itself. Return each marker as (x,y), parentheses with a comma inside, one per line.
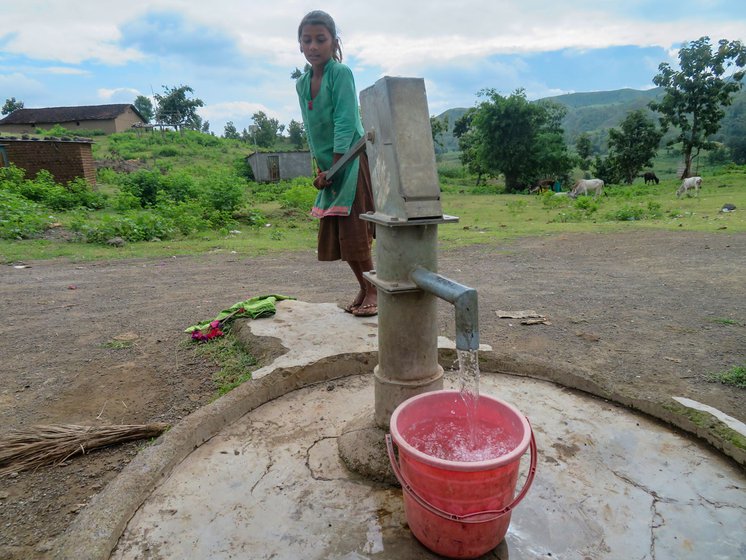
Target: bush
(132,226)
(44,190)
(224,191)
(626,213)
(144,185)
(19,218)
(187,217)
(299,197)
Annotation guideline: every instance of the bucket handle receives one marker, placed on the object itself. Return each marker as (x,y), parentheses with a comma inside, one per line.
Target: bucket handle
(468,518)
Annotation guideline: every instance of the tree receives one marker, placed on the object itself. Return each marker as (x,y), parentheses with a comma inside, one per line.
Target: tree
(297,134)
(11,105)
(634,145)
(297,73)
(176,109)
(230,131)
(696,94)
(266,129)
(584,148)
(467,144)
(437,128)
(144,106)
(734,130)
(521,140)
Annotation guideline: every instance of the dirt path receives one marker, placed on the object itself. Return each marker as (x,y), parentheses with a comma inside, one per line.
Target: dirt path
(102,343)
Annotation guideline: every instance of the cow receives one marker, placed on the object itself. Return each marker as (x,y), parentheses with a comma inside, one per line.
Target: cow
(586,186)
(689,183)
(650,178)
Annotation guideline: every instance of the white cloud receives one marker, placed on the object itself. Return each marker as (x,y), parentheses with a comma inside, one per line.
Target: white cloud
(66,70)
(118,93)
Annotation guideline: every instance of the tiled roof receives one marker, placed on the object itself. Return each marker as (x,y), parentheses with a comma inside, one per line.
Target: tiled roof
(67,114)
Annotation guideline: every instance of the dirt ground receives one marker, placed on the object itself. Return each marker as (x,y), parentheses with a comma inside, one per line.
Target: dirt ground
(102,343)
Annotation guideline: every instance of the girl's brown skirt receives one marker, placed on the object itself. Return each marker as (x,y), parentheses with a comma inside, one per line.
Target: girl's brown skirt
(348,237)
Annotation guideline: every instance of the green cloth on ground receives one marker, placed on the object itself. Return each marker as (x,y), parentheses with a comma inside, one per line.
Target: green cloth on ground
(256,307)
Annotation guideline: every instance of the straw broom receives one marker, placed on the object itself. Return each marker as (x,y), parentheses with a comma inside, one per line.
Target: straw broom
(53,444)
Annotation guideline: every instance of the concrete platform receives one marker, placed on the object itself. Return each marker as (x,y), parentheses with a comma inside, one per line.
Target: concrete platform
(269,483)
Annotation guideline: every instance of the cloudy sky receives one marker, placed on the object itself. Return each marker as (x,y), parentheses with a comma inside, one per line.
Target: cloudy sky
(238,55)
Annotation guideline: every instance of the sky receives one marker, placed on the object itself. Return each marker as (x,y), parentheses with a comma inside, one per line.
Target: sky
(238,56)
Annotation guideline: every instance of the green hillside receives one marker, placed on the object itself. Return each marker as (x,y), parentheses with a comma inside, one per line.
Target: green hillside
(594,113)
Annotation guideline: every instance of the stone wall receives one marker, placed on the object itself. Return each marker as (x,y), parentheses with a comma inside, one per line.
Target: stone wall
(65,159)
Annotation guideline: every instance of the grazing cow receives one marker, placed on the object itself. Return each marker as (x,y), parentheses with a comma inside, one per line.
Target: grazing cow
(689,183)
(650,178)
(585,186)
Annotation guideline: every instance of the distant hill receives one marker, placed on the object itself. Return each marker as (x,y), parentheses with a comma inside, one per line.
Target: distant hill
(593,113)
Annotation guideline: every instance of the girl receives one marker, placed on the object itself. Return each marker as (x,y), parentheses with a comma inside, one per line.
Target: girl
(328,103)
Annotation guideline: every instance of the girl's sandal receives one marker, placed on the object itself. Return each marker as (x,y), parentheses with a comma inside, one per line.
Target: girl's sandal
(366,310)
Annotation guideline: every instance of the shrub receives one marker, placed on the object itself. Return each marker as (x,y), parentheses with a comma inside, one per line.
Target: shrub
(586,204)
(626,213)
(299,197)
(20,218)
(166,151)
(44,190)
(187,217)
(132,226)
(144,185)
(550,202)
(224,191)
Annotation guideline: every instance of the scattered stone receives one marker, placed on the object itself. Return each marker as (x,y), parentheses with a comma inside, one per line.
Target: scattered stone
(116,242)
(588,337)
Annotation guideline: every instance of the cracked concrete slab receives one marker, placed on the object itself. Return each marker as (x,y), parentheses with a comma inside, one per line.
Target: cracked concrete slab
(611,483)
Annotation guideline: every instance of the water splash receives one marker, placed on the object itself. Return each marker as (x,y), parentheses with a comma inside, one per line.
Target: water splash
(454,439)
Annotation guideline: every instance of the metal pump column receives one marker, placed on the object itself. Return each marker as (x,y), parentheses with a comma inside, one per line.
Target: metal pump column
(407,200)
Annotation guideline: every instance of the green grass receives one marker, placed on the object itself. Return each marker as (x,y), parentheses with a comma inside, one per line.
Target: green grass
(118,344)
(487,218)
(735,377)
(726,321)
(484,215)
(235,363)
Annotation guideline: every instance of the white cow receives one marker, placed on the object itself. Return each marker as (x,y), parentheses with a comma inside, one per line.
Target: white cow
(585,186)
(689,183)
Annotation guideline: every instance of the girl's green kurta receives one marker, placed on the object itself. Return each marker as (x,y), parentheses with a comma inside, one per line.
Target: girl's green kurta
(332,123)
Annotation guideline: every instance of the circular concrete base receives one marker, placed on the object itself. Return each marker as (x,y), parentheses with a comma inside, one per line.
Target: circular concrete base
(610,485)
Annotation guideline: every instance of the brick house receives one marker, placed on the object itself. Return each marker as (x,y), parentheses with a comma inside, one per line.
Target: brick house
(66,159)
(107,118)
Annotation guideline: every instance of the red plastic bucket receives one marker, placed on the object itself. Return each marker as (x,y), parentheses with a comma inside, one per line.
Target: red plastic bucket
(459,509)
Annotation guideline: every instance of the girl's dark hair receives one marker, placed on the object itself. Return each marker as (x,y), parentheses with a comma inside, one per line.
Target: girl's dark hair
(318,17)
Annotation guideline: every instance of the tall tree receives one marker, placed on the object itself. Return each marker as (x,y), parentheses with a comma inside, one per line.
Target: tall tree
(467,143)
(230,131)
(696,94)
(177,109)
(11,105)
(266,129)
(437,128)
(634,145)
(584,148)
(521,140)
(296,133)
(144,106)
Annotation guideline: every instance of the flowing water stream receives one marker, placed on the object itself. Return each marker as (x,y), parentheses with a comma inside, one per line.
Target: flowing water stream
(463,437)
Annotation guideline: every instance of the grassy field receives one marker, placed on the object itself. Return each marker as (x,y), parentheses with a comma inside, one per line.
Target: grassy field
(274,218)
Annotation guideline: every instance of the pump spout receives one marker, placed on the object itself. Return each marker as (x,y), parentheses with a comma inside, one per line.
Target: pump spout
(462,297)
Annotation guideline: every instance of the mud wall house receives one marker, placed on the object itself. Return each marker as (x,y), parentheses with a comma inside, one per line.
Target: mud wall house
(278,166)
(106,118)
(66,159)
